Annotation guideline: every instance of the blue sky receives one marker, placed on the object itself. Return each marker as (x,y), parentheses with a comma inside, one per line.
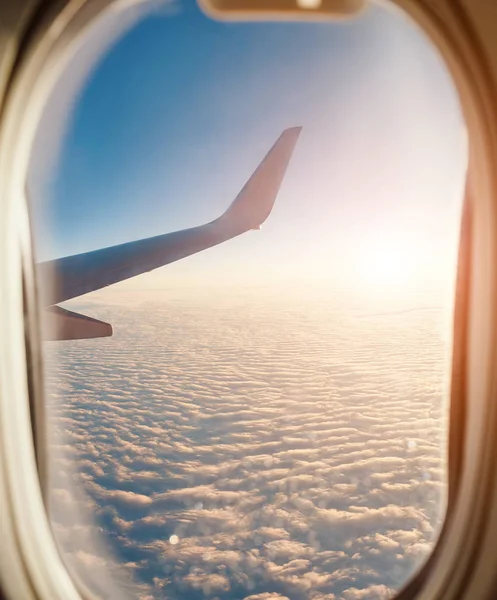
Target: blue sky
(179,111)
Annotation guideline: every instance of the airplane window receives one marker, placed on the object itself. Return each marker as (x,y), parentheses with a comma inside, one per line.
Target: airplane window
(236,413)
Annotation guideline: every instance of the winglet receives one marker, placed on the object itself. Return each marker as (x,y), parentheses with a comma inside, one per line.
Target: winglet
(255,201)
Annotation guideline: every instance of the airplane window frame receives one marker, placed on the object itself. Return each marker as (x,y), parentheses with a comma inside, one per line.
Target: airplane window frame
(475,339)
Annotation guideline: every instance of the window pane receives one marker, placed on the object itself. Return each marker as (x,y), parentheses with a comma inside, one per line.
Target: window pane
(269,417)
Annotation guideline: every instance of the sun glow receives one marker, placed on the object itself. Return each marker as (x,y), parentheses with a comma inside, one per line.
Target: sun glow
(389,265)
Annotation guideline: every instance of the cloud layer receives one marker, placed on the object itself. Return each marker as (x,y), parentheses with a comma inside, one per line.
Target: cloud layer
(253,447)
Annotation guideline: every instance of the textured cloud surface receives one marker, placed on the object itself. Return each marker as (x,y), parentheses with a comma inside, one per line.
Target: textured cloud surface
(256,446)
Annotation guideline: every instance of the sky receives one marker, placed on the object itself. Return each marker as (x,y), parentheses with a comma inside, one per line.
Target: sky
(175,115)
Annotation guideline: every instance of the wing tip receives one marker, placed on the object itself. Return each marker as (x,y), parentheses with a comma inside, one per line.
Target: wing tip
(292,133)
(296,129)
(254,204)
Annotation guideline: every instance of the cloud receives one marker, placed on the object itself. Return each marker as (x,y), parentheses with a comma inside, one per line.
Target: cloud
(125,498)
(265,596)
(275,448)
(375,592)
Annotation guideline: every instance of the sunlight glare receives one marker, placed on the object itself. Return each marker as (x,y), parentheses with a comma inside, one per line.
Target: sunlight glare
(388,265)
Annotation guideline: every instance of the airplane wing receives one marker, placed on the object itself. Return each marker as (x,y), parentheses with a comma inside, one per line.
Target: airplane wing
(72,276)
